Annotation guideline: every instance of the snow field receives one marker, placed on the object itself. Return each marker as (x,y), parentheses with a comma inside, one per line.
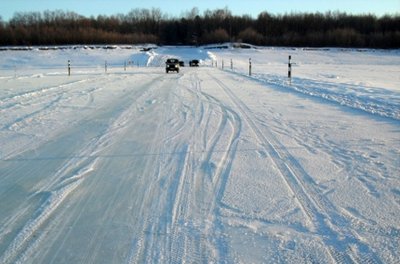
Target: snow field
(206,165)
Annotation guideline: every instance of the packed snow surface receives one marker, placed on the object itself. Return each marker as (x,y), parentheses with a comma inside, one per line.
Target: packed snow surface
(123,163)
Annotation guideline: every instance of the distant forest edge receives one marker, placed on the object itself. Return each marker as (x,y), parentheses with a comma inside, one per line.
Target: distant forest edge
(331,29)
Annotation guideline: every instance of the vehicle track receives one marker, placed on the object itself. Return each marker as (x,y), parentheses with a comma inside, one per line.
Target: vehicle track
(68,177)
(150,231)
(341,242)
(49,97)
(205,176)
(192,175)
(160,235)
(185,171)
(118,125)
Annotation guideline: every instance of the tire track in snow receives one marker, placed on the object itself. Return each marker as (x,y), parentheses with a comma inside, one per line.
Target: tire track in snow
(357,97)
(42,110)
(178,243)
(10,101)
(343,245)
(147,243)
(184,224)
(205,160)
(187,242)
(25,238)
(40,98)
(178,247)
(48,107)
(117,126)
(65,181)
(221,176)
(175,242)
(172,173)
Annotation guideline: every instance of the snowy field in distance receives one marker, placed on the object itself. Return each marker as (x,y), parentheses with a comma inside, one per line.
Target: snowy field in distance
(137,166)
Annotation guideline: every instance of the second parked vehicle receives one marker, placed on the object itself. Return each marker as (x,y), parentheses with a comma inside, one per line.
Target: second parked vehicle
(194,63)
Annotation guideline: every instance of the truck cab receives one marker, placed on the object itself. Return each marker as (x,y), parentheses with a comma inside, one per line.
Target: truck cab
(172,65)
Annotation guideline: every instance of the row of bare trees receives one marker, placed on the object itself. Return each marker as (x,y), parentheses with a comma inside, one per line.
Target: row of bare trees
(333,29)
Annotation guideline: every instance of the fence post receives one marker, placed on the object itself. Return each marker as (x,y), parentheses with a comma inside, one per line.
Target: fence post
(69,68)
(290,69)
(249,66)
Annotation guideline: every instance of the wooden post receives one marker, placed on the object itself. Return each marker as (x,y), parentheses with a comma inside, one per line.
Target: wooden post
(69,68)
(250,67)
(290,69)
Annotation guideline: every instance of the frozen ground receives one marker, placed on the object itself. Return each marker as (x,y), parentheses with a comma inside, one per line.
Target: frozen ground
(204,166)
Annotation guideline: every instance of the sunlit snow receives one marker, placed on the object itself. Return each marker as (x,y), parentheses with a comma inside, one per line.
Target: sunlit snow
(123,163)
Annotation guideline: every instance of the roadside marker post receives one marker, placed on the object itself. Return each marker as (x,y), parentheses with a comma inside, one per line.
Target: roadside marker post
(69,68)
(249,66)
(290,69)
(231,65)
(222,64)
(105,66)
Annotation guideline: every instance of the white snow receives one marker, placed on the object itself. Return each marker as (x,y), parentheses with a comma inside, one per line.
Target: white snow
(209,165)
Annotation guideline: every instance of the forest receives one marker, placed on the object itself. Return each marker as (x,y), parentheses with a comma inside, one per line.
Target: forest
(330,29)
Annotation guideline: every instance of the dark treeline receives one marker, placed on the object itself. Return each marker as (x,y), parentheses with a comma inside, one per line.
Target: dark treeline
(334,29)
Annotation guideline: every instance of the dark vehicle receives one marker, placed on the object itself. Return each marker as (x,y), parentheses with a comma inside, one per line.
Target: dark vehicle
(194,63)
(181,63)
(172,65)
(146,49)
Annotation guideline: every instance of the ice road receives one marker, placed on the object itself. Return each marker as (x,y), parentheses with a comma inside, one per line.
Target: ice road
(204,166)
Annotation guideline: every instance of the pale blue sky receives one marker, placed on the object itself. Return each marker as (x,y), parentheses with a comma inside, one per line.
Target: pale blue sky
(177,7)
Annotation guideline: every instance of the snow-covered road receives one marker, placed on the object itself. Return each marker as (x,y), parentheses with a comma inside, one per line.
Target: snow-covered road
(205,166)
